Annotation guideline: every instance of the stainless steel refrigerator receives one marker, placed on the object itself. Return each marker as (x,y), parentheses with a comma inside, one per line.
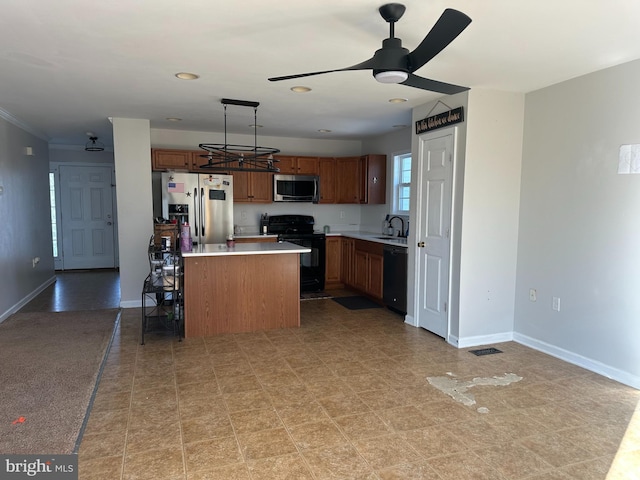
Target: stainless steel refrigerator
(203,200)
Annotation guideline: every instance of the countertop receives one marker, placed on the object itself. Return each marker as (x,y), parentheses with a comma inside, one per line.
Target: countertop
(373,237)
(258,248)
(369,236)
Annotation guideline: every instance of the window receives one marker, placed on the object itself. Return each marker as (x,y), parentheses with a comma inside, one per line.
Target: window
(401,183)
(54,223)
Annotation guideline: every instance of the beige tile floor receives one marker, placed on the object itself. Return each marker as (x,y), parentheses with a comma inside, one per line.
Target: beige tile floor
(346,396)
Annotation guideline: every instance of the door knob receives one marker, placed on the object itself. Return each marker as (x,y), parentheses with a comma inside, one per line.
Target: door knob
(108,223)
(421,244)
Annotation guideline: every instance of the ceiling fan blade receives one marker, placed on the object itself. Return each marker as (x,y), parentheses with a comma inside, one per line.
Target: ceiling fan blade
(366,65)
(450,24)
(433,85)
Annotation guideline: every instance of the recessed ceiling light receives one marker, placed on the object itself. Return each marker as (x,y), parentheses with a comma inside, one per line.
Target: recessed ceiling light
(173,119)
(187,76)
(400,126)
(300,89)
(324,130)
(255,125)
(397,100)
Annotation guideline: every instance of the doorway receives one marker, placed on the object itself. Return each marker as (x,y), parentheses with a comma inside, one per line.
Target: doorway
(87,228)
(435,170)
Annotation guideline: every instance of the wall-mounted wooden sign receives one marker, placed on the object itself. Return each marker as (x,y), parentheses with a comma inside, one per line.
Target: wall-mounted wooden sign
(440,120)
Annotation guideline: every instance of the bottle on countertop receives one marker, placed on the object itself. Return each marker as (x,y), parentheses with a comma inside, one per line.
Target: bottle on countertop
(186,242)
(264,222)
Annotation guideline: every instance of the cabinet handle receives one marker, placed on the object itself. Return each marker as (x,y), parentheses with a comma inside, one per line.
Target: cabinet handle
(421,244)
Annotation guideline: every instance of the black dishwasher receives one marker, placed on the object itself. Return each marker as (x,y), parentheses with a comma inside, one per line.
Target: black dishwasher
(394,281)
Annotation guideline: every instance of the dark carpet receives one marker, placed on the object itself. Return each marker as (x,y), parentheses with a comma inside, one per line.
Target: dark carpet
(356,303)
(49,365)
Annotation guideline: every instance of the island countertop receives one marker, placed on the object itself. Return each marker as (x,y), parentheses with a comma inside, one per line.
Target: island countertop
(221,249)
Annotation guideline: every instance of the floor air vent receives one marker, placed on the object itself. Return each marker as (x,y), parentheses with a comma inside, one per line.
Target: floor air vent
(485,351)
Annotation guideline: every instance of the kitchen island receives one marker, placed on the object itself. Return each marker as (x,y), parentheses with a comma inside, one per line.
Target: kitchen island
(244,288)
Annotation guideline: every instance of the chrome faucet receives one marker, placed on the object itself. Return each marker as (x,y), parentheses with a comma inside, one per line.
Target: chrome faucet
(402,232)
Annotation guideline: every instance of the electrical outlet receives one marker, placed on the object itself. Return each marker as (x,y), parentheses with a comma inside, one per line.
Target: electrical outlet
(556,304)
(341,214)
(533,295)
(35,261)
(243,215)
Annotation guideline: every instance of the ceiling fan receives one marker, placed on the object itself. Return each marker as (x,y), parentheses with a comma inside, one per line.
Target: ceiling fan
(395,64)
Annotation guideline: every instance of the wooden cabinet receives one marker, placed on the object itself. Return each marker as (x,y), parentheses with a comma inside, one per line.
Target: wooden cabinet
(347,180)
(168,159)
(252,187)
(292,165)
(359,179)
(327,172)
(333,262)
(348,250)
(373,175)
(367,265)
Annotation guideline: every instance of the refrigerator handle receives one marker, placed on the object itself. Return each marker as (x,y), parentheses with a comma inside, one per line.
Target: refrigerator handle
(196,212)
(202,212)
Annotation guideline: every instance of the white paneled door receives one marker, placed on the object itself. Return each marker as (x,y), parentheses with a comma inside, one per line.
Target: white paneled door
(435,168)
(86,207)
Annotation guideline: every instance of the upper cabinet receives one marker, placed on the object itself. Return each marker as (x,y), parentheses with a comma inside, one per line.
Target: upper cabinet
(347,180)
(165,159)
(291,165)
(358,179)
(373,175)
(327,172)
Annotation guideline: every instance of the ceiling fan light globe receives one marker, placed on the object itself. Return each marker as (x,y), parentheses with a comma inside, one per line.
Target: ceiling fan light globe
(391,76)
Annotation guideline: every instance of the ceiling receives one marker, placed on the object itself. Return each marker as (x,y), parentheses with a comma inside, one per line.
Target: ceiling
(69,65)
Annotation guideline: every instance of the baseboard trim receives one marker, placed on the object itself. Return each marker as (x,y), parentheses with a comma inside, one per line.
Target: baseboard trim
(410,320)
(131,304)
(479,340)
(579,360)
(27,299)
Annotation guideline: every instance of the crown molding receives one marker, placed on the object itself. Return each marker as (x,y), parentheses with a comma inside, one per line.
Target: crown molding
(24,126)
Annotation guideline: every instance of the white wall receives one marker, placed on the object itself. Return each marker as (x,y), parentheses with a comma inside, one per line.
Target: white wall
(490,216)
(132,155)
(77,154)
(182,139)
(579,223)
(26,218)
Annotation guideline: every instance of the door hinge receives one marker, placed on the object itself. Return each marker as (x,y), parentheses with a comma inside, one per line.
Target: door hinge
(445,307)
(446,235)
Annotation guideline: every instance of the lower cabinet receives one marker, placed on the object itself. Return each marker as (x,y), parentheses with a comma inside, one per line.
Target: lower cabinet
(333,265)
(361,267)
(348,250)
(368,260)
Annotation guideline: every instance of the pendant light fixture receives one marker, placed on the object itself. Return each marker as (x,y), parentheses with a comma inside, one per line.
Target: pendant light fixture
(93,145)
(225,157)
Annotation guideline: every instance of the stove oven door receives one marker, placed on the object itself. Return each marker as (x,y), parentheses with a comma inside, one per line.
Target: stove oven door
(312,264)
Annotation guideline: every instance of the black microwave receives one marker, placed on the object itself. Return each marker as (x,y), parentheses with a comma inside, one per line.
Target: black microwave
(296,188)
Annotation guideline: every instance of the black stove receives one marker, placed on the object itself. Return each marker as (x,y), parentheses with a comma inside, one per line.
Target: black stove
(299,229)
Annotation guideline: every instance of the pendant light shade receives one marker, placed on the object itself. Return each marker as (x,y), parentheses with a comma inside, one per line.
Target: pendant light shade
(93,145)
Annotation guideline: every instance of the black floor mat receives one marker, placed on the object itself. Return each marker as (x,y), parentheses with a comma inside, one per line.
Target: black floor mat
(485,351)
(356,303)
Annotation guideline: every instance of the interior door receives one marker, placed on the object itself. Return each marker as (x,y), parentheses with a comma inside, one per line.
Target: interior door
(86,205)
(435,167)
